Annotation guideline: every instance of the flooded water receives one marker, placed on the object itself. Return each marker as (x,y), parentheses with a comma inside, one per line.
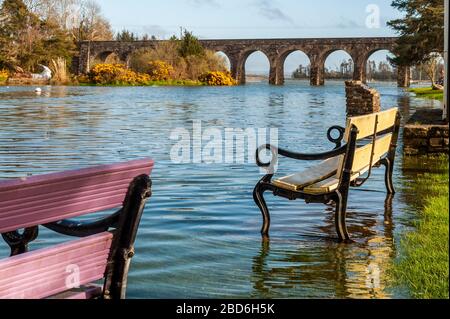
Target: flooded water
(199,237)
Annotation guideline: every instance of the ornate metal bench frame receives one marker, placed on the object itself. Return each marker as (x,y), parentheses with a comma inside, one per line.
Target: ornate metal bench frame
(340,195)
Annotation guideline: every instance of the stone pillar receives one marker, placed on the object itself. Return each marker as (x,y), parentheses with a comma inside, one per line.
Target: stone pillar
(404,76)
(361,99)
(273,75)
(317,77)
(237,67)
(84,59)
(359,73)
(238,71)
(234,65)
(276,74)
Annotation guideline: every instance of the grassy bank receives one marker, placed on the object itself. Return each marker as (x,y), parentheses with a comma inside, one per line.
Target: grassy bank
(428,93)
(423,265)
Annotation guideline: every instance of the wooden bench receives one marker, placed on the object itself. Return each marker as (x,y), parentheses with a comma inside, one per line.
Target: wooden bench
(104,246)
(370,141)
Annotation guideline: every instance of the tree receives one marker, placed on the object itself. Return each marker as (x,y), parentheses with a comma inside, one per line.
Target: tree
(19,30)
(430,66)
(421,30)
(89,24)
(126,36)
(190,46)
(81,18)
(62,13)
(26,40)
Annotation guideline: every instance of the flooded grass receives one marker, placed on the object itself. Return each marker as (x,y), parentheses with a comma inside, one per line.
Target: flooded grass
(428,93)
(424,264)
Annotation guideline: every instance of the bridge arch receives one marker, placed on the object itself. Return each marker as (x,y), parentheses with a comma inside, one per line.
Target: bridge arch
(225,59)
(368,70)
(403,72)
(281,61)
(322,59)
(110,57)
(241,67)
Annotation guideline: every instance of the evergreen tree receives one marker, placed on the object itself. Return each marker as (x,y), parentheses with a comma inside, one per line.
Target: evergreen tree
(190,46)
(421,30)
(126,36)
(18,28)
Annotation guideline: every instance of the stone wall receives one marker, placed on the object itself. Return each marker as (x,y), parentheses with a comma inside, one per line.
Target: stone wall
(426,133)
(361,99)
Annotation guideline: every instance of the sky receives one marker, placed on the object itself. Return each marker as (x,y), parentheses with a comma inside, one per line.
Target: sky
(239,19)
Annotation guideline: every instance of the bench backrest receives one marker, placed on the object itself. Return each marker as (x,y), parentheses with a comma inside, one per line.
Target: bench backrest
(50,198)
(378,128)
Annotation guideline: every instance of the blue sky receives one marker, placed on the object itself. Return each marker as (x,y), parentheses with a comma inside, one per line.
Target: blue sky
(216,19)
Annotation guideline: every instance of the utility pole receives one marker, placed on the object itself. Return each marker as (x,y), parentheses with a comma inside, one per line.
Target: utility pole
(446,90)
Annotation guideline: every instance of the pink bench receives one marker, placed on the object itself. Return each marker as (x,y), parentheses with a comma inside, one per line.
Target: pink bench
(105,245)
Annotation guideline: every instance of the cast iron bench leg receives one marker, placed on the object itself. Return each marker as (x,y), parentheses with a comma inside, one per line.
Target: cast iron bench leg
(340,216)
(261,203)
(388,175)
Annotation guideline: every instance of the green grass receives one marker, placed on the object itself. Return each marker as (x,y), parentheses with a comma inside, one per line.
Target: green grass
(428,93)
(423,265)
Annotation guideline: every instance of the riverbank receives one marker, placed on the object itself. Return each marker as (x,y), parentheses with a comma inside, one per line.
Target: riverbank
(424,263)
(428,93)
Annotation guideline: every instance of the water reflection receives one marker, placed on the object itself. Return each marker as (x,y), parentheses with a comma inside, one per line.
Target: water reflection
(341,270)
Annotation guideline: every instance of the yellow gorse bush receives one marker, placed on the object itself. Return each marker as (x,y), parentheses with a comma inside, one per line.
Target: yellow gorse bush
(217,78)
(4,74)
(116,74)
(160,70)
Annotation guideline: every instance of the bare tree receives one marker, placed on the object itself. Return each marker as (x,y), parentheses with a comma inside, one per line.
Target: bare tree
(91,25)
(431,67)
(82,18)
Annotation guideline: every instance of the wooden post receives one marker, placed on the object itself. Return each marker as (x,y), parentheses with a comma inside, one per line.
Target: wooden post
(446,90)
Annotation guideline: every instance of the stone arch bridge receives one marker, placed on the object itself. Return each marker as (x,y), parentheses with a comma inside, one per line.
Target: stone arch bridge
(276,50)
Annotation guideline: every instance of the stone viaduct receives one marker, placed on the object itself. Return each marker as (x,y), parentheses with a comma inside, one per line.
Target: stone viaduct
(276,50)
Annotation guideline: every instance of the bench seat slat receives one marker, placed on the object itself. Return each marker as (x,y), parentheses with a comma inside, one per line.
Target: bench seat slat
(317,173)
(85,292)
(34,273)
(48,198)
(49,267)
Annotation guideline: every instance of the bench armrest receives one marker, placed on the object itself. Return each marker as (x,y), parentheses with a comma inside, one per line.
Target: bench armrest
(337,140)
(84,229)
(297,156)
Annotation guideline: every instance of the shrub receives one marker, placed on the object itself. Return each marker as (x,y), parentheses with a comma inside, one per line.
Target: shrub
(116,74)
(217,78)
(59,68)
(163,51)
(3,75)
(184,68)
(160,71)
